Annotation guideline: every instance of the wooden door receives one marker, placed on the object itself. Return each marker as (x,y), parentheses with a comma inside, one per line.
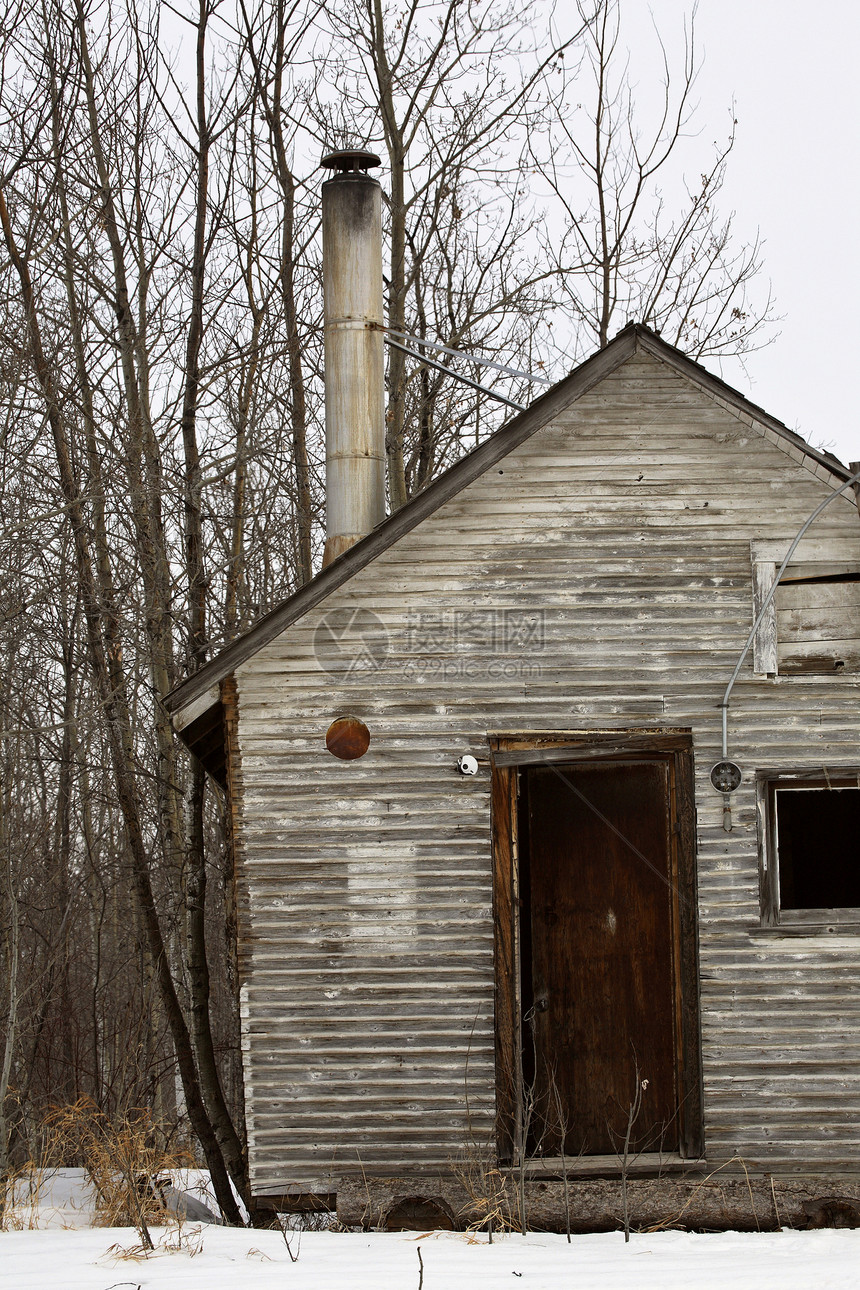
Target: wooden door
(598,957)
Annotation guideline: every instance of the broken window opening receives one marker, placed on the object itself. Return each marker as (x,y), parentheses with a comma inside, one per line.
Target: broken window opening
(811,869)
(788,579)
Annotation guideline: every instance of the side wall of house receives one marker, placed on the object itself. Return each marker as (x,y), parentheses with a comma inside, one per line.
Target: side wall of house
(598,579)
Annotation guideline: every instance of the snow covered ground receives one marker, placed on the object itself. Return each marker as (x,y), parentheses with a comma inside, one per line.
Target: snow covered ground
(217,1258)
(56,1248)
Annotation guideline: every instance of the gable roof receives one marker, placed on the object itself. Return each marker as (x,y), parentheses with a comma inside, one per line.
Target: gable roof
(194,696)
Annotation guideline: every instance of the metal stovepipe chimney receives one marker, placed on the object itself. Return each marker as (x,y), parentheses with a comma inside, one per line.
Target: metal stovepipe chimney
(354,379)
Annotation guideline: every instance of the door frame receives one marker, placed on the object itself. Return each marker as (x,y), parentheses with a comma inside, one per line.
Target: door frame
(509,753)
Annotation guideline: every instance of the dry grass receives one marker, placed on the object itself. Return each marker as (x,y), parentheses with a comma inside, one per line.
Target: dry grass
(20,1198)
(126,1161)
(176,1238)
(491,1207)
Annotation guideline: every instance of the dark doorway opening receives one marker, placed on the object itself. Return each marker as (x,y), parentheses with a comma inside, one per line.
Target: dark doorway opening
(597,960)
(603,1022)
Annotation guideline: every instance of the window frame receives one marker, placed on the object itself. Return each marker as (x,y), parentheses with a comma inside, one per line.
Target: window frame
(844,919)
(817,557)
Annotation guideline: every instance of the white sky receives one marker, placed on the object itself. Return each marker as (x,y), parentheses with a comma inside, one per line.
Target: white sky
(792,70)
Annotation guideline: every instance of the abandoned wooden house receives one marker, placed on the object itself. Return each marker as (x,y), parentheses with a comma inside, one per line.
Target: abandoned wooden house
(493,904)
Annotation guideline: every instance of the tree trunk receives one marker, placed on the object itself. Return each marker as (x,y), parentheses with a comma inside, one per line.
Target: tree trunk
(105,657)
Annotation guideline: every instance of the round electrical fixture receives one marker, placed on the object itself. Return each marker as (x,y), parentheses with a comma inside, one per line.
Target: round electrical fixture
(347,738)
(467,764)
(726,776)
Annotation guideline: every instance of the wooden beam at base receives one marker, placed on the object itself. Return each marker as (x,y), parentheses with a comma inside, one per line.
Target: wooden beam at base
(305,1202)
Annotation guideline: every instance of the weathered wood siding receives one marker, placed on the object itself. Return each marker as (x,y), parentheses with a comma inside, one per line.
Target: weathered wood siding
(367,938)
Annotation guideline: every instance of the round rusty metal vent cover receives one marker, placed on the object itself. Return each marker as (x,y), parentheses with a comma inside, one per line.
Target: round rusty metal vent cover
(347,738)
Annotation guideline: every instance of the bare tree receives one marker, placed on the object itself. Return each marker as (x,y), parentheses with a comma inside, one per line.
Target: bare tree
(273,40)
(626,252)
(99,117)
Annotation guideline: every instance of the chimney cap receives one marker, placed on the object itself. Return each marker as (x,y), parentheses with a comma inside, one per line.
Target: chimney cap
(350,159)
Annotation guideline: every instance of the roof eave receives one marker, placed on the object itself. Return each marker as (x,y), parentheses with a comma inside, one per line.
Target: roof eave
(652,344)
